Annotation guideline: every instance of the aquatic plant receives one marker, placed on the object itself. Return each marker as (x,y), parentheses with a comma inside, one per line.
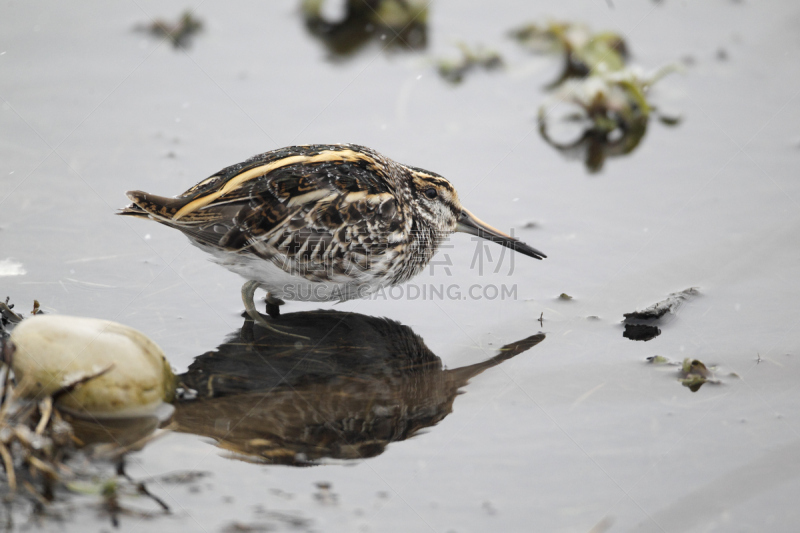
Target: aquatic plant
(613,109)
(611,97)
(179,33)
(402,24)
(582,50)
(454,70)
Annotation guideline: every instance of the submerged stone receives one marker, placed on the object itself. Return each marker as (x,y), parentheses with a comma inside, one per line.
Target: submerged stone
(51,352)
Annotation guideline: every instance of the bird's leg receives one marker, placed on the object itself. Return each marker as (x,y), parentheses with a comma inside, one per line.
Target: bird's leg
(273,306)
(248,291)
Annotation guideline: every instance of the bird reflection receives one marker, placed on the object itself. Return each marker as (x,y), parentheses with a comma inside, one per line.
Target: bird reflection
(401,24)
(358,384)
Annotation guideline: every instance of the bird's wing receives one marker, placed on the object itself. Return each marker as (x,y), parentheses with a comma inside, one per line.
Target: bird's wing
(317,214)
(310,204)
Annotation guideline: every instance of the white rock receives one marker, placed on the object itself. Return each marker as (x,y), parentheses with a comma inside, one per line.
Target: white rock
(49,351)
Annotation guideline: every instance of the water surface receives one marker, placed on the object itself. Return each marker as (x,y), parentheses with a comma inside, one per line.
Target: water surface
(573,433)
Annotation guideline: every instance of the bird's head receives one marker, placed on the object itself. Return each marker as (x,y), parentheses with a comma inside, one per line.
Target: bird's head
(438,203)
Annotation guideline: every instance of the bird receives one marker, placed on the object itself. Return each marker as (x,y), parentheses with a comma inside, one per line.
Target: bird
(319,222)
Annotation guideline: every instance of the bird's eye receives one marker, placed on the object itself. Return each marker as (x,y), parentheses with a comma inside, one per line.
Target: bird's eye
(430,192)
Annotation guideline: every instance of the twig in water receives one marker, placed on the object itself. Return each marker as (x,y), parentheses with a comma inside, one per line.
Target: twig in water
(9,464)
(69,387)
(46,409)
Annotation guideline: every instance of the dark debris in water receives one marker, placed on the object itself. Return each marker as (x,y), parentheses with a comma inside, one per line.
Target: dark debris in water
(639,325)
(179,33)
(670,304)
(641,332)
(183,478)
(325,494)
(9,317)
(668,120)
(292,520)
(242,527)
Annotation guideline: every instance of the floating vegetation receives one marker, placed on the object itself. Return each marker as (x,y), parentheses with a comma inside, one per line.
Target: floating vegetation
(179,33)
(693,373)
(583,51)
(400,24)
(611,110)
(115,491)
(668,305)
(606,99)
(470,60)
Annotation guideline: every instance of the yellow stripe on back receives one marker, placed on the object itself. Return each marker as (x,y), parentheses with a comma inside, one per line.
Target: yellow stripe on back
(238,180)
(309,197)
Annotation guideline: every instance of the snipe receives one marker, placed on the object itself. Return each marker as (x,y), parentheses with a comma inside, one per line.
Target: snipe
(319,222)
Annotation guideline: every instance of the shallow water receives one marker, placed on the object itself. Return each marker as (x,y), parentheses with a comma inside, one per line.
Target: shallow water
(577,431)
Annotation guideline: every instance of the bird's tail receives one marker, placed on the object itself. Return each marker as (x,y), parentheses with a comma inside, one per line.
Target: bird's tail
(201,226)
(158,208)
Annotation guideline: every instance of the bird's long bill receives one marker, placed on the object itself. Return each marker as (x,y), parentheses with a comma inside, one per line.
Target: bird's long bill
(469,223)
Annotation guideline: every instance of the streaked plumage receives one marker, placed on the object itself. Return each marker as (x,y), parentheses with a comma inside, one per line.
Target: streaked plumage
(320,222)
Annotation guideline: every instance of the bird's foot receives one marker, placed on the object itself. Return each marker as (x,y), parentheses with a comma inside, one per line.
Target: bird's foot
(273,306)
(248,291)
